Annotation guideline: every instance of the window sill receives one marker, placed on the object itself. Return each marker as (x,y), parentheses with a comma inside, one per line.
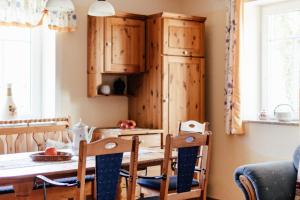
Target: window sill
(273,122)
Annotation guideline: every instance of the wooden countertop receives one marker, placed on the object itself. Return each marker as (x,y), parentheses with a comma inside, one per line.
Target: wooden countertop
(124,132)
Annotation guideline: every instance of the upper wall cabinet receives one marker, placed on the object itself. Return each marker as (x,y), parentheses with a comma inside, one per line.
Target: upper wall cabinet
(116,44)
(124,45)
(183,37)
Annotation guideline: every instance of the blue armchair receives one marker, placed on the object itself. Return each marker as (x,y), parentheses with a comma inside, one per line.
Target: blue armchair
(269,181)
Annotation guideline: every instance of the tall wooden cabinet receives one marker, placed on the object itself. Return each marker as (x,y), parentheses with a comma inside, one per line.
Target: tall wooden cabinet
(172,87)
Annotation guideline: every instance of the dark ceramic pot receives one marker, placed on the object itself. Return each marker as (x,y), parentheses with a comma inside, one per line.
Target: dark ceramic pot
(119,86)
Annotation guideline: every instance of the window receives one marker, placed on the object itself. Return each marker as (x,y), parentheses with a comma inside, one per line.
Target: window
(26,56)
(271,57)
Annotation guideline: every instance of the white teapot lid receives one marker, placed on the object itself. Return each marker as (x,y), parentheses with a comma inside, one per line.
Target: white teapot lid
(80,124)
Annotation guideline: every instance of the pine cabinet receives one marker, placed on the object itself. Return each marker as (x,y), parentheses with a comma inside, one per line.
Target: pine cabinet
(116,45)
(184,83)
(124,45)
(183,38)
(172,87)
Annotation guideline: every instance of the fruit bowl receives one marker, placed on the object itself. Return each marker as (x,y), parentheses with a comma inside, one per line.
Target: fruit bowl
(42,157)
(126,124)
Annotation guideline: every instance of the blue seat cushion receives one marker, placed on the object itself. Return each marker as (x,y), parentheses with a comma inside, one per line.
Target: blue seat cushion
(154,184)
(70,180)
(6,189)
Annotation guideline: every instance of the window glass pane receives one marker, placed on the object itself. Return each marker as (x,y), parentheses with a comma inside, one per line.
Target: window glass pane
(15,66)
(281,73)
(15,33)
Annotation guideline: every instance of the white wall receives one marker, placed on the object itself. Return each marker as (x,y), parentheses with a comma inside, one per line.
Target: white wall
(71,67)
(261,142)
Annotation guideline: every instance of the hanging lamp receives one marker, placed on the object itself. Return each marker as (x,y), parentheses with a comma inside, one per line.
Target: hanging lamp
(101,8)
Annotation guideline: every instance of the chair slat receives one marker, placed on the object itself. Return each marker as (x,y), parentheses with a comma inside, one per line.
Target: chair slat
(193,126)
(105,146)
(189,140)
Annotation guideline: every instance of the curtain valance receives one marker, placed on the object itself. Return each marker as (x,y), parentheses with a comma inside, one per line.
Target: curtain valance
(30,13)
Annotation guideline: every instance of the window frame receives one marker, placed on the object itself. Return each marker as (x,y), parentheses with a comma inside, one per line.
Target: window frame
(266,10)
(255,10)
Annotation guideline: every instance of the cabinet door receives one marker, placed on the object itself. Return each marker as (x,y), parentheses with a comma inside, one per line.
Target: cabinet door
(185,90)
(183,38)
(124,45)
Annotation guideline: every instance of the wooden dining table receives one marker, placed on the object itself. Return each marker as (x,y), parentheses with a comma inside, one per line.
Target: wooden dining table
(19,170)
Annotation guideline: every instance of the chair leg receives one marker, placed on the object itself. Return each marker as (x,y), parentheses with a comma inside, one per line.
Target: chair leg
(44,190)
(142,195)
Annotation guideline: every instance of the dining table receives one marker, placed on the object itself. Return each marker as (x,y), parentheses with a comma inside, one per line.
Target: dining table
(19,170)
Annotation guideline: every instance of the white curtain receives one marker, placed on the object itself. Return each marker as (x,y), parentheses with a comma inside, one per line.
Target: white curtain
(233,121)
(30,13)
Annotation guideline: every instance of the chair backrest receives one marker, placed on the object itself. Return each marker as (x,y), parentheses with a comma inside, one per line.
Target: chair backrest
(18,136)
(192,127)
(204,151)
(108,157)
(188,146)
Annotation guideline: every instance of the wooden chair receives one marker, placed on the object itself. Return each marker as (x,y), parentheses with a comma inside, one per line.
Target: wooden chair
(204,152)
(182,185)
(108,158)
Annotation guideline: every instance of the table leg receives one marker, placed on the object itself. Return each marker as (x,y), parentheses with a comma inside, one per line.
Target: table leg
(23,190)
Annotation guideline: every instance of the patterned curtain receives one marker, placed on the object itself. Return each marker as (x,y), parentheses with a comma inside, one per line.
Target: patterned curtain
(233,121)
(31,13)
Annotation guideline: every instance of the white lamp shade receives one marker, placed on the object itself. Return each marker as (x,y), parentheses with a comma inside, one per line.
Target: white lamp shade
(101,8)
(65,5)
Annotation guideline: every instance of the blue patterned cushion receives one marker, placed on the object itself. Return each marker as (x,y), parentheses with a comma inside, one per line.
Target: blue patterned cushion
(107,175)
(6,189)
(187,158)
(154,184)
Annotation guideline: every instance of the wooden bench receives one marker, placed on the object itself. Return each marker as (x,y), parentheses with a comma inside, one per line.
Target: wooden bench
(19,136)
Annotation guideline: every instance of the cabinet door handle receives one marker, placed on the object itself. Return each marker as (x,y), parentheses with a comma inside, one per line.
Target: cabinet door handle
(185,52)
(108,43)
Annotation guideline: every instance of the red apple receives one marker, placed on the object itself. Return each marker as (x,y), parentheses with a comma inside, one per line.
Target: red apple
(50,151)
(131,124)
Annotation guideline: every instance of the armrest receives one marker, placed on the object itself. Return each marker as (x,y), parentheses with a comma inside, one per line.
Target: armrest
(272,180)
(52,182)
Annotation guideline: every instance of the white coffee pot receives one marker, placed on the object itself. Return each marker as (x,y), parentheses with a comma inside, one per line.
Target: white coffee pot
(80,132)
